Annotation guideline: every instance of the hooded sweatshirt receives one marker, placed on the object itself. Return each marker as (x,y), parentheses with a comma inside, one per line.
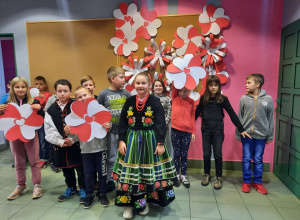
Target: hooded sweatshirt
(257,116)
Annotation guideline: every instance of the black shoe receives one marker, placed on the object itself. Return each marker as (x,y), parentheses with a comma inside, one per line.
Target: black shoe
(110,186)
(88,201)
(178,182)
(103,199)
(70,191)
(13,165)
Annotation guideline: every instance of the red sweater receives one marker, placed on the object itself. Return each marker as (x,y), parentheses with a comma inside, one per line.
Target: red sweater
(44,100)
(183,113)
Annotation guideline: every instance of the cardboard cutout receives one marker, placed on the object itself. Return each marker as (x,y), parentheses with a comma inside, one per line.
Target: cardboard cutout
(34,92)
(20,122)
(133,68)
(124,14)
(195,96)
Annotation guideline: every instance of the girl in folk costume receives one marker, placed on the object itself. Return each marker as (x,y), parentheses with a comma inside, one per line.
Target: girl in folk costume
(143,169)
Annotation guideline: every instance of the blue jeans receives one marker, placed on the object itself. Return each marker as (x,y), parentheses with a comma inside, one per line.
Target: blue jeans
(253,149)
(44,145)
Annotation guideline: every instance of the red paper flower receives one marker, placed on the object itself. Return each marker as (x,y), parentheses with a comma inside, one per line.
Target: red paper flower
(124,42)
(20,122)
(212,20)
(86,119)
(133,68)
(124,14)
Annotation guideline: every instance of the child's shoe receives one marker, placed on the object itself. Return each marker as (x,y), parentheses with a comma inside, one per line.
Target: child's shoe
(260,188)
(110,186)
(37,191)
(185,182)
(53,168)
(88,201)
(128,212)
(43,164)
(103,199)
(218,183)
(146,210)
(19,190)
(246,187)
(70,191)
(82,196)
(178,181)
(206,179)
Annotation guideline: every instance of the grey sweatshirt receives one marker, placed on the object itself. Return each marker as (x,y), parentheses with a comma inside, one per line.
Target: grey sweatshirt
(257,116)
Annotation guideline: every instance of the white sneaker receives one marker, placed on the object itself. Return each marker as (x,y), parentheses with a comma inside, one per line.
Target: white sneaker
(146,210)
(128,212)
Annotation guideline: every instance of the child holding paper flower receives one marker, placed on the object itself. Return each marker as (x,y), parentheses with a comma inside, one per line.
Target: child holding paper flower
(20,94)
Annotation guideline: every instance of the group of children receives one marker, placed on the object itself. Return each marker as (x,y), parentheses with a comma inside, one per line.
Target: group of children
(143,131)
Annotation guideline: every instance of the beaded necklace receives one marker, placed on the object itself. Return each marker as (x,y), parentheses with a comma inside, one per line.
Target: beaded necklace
(140,105)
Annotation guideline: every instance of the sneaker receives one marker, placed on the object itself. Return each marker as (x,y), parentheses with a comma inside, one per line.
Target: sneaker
(206,180)
(178,181)
(218,183)
(88,201)
(146,210)
(13,165)
(53,168)
(82,196)
(70,191)
(260,188)
(37,191)
(128,212)
(185,182)
(103,199)
(44,164)
(19,190)
(110,186)
(246,187)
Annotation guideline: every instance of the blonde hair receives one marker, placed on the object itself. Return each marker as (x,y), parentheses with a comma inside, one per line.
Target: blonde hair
(113,72)
(12,97)
(144,75)
(80,88)
(86,78)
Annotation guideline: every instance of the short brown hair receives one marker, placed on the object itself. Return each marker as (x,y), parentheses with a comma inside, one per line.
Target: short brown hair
(86,78)
(113,72)
(258,78)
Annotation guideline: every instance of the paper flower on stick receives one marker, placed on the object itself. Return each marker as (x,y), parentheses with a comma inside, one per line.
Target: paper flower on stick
(146,23)
(223,75)
(212,20)
(20,122)
(130,89)
(34,92)
(86,119)
(133,68)
(212,50)
(161,54)
(186,71)
(124,14)
(187,40)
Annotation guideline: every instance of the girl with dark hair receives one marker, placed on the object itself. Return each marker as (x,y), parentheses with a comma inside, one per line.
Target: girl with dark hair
(211,109)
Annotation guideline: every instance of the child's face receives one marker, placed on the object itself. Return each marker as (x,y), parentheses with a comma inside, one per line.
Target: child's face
(213,88)
(82,95)
(183,93)
(251,85)
(141,85)
(63,93)
(118,81)
(40,85)
(158,88)
(89,85)
(20,90)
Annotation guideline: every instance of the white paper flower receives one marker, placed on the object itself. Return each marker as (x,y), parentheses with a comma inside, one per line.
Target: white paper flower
(133,68)
(124,14)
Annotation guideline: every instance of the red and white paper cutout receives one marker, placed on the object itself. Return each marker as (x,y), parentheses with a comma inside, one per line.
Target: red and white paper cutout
(161,54)
(130,88)
(146,23)
(156,76)
(124,14)
(223,75)
(187,40)
(186,71)
(20,122)
(133,68)
(212,50)
(212,20)
(86,119)
(195,96)
(34,92)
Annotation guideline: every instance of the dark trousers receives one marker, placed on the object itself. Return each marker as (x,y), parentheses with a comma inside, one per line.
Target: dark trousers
(44,145)
(95,162)
(51,153)
(181,142)
(213,137)
(70,176)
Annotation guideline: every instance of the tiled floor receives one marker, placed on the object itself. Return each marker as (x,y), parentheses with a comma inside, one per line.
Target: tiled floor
(198,202)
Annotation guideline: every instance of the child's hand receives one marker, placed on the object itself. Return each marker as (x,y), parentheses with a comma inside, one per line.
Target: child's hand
(245,134)
(67,143)
(269,142)
(36,106)
(193,137)
(122,148)
(160,149)
(2,108)
(106,125)
(67,129)
(41,95)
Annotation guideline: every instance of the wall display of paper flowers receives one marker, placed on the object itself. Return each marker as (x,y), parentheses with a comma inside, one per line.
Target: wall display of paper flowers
(20,122)
(194,54)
